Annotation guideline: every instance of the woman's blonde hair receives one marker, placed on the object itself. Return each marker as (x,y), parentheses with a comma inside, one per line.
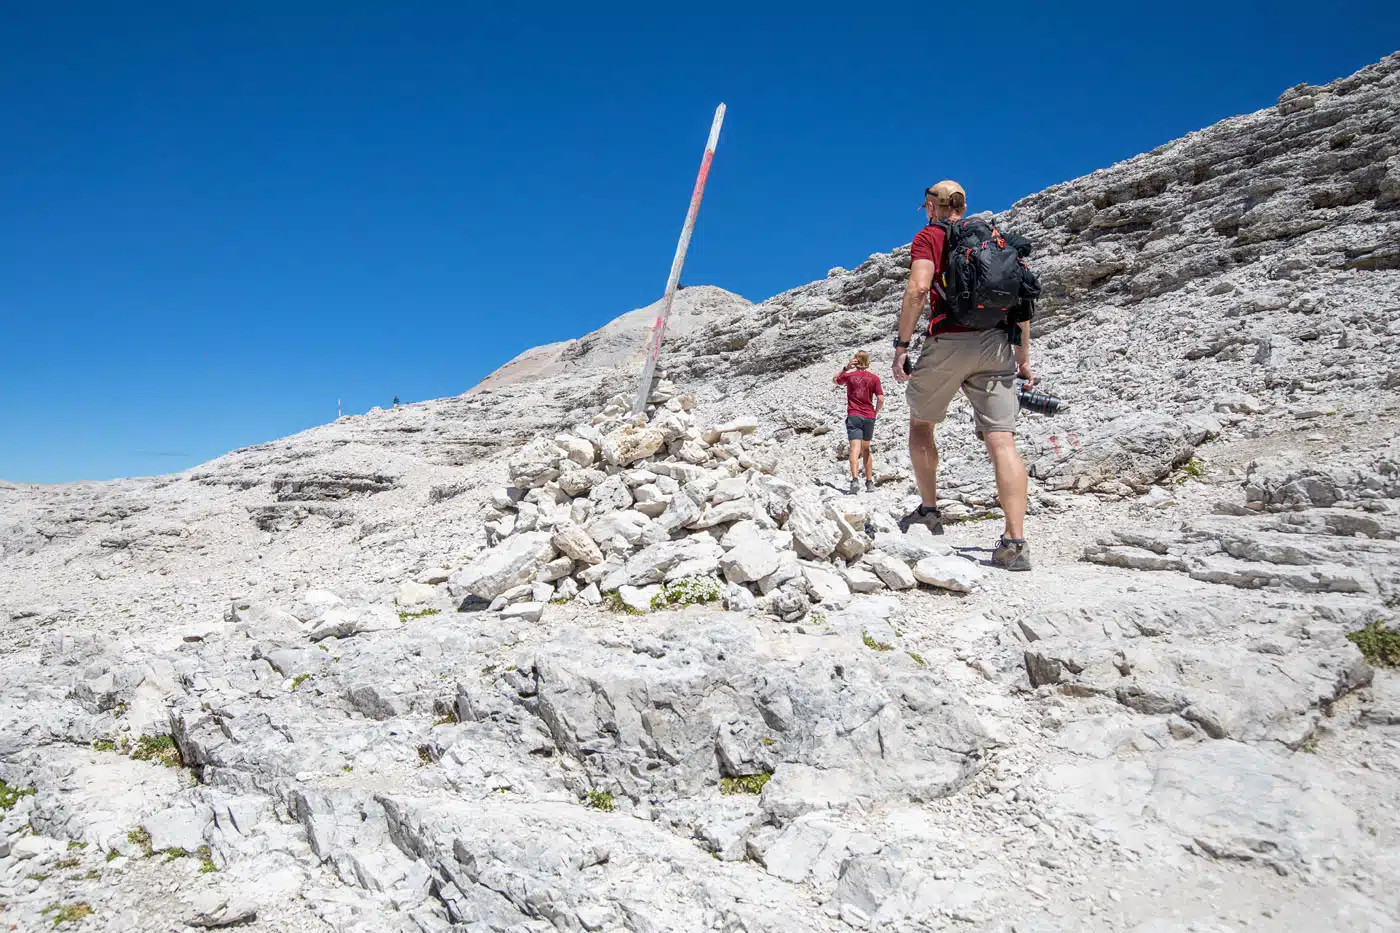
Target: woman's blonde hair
(862,359)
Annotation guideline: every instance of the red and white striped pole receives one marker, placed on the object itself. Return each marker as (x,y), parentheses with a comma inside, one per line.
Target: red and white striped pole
(658,329)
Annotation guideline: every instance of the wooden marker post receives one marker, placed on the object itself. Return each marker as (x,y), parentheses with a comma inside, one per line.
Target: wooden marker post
(658,329)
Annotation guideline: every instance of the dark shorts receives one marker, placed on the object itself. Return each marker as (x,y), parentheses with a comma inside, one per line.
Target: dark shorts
(858,428)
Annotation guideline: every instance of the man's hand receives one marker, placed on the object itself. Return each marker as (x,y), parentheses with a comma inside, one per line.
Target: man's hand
(1024,372)
(900,355)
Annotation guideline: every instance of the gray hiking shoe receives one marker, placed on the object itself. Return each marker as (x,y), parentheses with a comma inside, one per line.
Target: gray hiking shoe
(870,485)
(855,485)
(1012,554)
(929,518)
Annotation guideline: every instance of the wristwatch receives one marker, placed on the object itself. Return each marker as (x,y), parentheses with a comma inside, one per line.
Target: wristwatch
(900,343)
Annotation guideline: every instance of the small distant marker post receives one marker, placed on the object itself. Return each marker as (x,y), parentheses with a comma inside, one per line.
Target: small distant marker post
(658,329)
(337,409)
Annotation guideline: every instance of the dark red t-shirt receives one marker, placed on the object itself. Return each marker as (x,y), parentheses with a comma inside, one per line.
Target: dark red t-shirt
(928,244)
(861,387)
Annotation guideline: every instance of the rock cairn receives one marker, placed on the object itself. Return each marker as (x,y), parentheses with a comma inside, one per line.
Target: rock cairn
(656,510)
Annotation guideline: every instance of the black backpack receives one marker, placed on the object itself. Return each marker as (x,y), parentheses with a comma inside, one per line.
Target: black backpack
(985,281)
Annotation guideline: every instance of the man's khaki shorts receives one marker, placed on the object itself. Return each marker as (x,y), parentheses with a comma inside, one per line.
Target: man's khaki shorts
(981,363)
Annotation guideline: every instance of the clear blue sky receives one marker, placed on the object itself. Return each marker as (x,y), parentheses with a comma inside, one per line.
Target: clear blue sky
(215,220)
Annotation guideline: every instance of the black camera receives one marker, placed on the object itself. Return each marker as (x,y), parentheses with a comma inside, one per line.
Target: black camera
(1042,403)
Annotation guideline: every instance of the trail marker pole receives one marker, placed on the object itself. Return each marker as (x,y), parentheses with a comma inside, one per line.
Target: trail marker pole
(658,329)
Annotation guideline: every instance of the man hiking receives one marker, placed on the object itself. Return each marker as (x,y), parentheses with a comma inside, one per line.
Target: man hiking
(861,387)
(968,348)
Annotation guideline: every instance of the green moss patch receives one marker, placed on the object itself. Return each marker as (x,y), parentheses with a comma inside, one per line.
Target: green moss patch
(66,913)
(749,784)
(872,644)
(9,796)
(1379,645)
(157,748)
(141,839)
(601,800)
(613,600)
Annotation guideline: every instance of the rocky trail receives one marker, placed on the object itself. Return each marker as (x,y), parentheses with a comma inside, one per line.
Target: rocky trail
(517,661)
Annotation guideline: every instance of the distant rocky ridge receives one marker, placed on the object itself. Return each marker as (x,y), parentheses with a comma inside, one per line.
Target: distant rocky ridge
(355,679)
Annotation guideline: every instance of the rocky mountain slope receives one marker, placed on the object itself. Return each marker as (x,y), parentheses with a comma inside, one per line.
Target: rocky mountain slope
(354,679)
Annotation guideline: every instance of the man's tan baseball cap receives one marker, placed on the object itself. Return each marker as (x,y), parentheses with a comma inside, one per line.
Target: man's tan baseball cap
(942,193)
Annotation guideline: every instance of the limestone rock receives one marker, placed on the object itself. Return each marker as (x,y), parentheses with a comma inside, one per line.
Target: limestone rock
(576,543)
(411,595)
(895,573)
(814,534)
(948,573)
(579,482)
(912,547)
(825,585)
(628,445)
(731,511)
(526,612)
(750,561)
(511,563)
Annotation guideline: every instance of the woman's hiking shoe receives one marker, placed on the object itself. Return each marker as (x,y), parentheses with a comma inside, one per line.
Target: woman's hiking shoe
(870,485)
(855,485)
(1012,554)
(923,515)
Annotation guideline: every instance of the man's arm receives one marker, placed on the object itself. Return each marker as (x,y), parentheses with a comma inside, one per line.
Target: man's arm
(915,294)
(879,402)
(1023,353)
(840,378)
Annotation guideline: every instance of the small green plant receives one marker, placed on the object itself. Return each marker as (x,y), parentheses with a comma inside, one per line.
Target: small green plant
(66,913)
(113,855)
(1379,645)
(206,860)
(600,800)
(872,644)
(917,659)
(488,670)
(688,591)
(141,839)
(174,853)
(1191,469)
(104,745)
(71,861)
(93,874)
(748,784)
(446,719)
(9,796)
(75,846)
(405,617)
(613,600)
(159,748)
(120,709)
(299,679)
(425,755)
(347,768)
(38,876)
(767,741)
(1310,744)
(559,600)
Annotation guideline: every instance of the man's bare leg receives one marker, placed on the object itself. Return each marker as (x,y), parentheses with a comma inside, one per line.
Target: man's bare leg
(855,458)
(869,461)
(1011,480)
(923,454)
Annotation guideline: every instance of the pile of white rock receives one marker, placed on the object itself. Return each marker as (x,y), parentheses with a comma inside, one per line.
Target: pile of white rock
(654,510)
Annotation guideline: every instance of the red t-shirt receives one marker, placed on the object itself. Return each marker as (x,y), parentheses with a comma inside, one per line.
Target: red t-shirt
(861,386)
(928,244)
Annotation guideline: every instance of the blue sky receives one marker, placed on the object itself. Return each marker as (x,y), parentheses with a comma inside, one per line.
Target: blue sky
(217,220)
